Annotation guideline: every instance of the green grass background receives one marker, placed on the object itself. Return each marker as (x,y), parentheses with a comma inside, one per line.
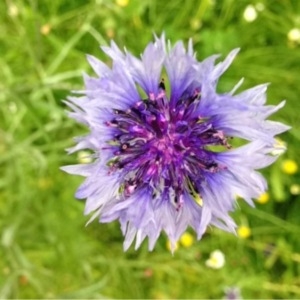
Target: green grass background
(45,249)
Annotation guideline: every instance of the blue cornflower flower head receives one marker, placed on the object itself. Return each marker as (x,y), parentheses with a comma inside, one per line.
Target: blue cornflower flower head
(156,167)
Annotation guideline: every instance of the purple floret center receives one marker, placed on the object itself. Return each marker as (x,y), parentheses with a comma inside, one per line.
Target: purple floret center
(164,146)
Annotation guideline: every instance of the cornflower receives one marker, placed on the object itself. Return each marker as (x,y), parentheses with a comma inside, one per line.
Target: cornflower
(163,158)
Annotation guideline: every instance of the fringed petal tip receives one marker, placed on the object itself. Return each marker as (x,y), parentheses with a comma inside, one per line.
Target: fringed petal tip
(80,169)
(221,67)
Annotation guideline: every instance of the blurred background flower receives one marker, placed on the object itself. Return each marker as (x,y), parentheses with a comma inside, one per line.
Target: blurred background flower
(216,260)
(279,147)
(263,198)
(232,293)
(243,231)
(250,13)
(84,157)
(295,189)
(289,166)
(187,240)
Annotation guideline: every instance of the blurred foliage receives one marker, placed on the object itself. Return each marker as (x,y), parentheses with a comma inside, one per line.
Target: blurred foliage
(46,250)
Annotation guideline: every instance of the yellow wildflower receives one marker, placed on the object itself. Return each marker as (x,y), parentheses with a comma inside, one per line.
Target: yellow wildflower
(122,3)
(244,232)
(172,247)
(263,198)
(289,166)
(45,29)
(216,260)
(187,240)
(295,189)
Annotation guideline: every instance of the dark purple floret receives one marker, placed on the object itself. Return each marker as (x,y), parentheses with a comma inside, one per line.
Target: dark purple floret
(163,145)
